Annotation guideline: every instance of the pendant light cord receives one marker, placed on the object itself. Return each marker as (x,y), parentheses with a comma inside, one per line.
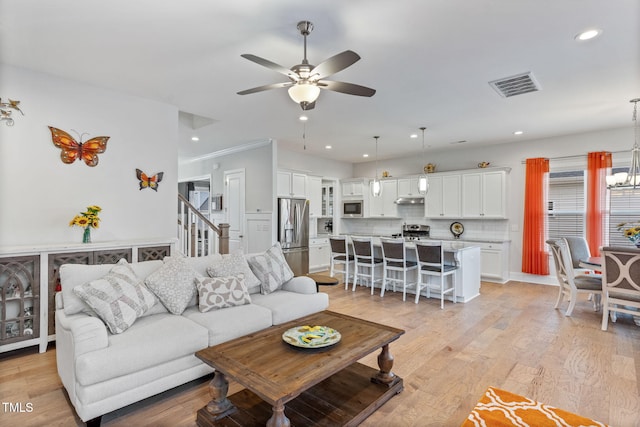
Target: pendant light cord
(376,137)
(424,155)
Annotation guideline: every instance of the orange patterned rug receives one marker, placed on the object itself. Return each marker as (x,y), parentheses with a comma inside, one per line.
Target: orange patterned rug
(499,408)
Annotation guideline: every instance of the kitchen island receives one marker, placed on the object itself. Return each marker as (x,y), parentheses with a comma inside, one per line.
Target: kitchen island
(466,256)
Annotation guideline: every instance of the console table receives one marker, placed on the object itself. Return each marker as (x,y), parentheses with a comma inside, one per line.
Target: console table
(29,280)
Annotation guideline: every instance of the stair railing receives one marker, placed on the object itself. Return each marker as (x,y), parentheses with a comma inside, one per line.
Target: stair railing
(197,235)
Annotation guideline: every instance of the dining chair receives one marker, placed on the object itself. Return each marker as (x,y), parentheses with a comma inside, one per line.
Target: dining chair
(341,260)
(365,261)
(570,284)
(579,249)
(431,262)
(395,260)
(620,283)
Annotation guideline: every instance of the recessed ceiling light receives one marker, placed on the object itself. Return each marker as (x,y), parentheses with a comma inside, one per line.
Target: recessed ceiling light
(365,155)
(588,34)
(413,135)
(304,118)
(518,132)
(328,147)
(195,138)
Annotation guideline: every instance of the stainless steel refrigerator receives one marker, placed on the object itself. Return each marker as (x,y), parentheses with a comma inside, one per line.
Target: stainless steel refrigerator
(293,233)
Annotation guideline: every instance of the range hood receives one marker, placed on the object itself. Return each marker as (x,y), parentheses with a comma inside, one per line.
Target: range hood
(410,201)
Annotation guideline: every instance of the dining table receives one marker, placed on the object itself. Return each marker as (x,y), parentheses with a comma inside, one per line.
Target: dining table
(592,263)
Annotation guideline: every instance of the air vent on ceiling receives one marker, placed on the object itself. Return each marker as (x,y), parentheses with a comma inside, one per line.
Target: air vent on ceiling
(516,85)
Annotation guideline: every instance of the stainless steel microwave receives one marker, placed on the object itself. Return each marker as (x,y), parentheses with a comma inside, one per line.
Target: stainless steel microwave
(352,208)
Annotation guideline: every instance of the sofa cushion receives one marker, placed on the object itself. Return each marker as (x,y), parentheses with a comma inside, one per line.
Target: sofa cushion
(230,323)
(118,298)
(271,269)
(220,292)
(201,263)
(286,306)
(72,275)
(232,264)
(151,341)
(173,284)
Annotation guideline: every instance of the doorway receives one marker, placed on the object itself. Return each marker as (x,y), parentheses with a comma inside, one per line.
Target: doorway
(234,184)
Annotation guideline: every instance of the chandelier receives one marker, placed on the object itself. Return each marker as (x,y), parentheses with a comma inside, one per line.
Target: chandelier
(6,110)
(629,179)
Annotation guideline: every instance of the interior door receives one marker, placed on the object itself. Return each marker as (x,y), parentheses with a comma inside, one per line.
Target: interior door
(234,210)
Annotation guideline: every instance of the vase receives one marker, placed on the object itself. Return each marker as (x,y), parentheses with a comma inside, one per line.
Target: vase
(86,236)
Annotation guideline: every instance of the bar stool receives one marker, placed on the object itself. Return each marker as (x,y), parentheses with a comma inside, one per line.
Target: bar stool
(395,259)
(365,260)
(340,258)
(431,261)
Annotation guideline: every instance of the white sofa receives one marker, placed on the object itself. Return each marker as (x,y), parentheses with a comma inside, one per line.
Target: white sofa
(102,371)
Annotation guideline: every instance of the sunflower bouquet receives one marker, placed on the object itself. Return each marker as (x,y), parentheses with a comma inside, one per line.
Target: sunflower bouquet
(87,220)
(631,230)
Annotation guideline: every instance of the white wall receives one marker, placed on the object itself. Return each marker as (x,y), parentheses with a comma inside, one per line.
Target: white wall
(39,194)
(313,165)
(619,141)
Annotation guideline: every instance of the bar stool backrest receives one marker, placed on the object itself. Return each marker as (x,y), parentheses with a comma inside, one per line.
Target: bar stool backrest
(362,247)
(393,249)
(338,244)
(430,253)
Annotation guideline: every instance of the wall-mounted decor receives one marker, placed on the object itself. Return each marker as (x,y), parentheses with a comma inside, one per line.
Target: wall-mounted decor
(73,150)
(5,111)
(149,181)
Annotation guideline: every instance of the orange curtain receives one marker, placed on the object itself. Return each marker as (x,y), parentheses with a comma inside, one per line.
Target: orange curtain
(535,258)
(598,165)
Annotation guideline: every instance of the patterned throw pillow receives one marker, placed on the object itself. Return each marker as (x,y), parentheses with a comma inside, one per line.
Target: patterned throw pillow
(220,292)
(118,298)
(173,284)
(232,264)
(271,269)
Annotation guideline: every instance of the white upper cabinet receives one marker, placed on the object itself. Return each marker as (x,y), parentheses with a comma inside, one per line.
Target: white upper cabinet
(408,187)
(484,195)
(384,206)
(292,184)
(443,197)
(314,194)
(353,189)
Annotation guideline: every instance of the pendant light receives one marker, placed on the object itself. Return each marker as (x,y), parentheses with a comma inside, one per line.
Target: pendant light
(629,179)
(376,185)
(423,181)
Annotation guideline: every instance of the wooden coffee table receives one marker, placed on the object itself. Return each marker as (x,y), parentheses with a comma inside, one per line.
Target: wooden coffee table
(319,386)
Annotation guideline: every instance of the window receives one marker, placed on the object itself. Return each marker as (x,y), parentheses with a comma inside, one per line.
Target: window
(566,210)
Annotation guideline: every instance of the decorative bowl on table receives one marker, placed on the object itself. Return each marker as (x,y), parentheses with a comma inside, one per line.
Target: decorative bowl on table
(311,336)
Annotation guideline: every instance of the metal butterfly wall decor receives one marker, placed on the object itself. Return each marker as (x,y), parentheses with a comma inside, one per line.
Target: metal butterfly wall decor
(73,150)
(147,181)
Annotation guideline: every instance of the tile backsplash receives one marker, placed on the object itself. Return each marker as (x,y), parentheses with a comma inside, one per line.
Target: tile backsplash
(474,229)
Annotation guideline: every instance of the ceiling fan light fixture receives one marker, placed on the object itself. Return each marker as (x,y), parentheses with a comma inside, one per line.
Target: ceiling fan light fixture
(304,92)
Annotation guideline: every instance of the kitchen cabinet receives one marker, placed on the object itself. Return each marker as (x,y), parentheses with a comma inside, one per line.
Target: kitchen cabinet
(319,254)
(384,206)
(408,187)
(353,189)
(314,194)
(291,184)
(443,199)
(484,195)
(327,200)
(494,261)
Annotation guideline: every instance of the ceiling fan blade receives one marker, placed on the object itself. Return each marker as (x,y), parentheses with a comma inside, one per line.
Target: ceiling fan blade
(271,65)
(265,87)
(334,64)
(348,88)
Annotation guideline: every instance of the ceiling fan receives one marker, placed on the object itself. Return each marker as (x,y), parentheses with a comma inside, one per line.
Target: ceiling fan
(306,80)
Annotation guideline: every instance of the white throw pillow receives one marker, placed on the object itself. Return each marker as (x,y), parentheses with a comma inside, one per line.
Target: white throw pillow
(232,264)
(173,284)
(118,298)
(271,269)
(220,292)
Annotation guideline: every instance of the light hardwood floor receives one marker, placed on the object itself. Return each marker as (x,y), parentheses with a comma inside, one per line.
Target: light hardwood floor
(510,337)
